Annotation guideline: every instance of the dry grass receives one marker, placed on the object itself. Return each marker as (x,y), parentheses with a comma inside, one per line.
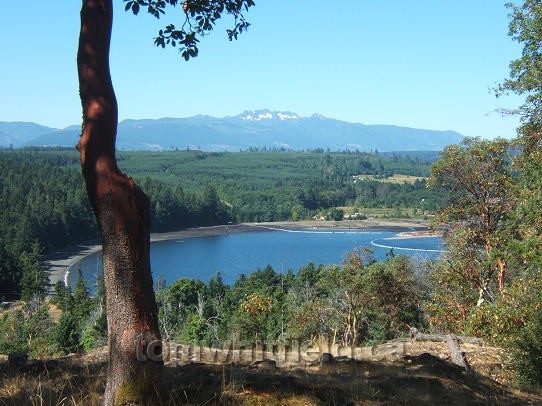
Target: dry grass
(396,178)
(384,212)
(53,382)
(421,380)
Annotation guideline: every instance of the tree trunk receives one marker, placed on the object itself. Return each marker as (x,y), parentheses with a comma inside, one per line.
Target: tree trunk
(502,271)
(122,210)
(456,356)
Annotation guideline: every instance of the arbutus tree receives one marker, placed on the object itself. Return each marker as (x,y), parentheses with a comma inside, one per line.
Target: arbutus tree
(121,208)
(477,176)
(525,79)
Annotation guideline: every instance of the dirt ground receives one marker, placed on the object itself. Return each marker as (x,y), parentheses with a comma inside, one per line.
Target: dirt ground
(423,375)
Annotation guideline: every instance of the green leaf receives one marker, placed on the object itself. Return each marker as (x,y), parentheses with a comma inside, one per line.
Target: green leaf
(135,8)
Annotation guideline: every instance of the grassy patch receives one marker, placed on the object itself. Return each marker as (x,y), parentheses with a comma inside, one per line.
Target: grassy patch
(423,379)
(385,212)
(396,178)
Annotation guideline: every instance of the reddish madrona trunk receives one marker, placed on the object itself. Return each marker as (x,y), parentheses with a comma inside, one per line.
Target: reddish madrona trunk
(122,211)
(502,272)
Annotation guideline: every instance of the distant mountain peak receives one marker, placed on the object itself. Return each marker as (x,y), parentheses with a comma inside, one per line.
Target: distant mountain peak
(253,128)
(258,115)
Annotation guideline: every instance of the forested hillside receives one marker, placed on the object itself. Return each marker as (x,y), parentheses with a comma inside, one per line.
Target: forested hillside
(43,200)
(279,185)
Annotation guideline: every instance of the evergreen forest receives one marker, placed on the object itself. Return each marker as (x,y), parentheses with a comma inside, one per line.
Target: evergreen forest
(44,207)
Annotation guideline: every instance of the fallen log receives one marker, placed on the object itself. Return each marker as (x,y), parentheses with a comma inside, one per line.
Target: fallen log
(456,356)
(444,338)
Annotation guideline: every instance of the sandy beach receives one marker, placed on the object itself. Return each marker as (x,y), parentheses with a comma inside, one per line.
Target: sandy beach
(62,262)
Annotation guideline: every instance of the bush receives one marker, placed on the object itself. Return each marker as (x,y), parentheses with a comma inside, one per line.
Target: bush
(66,334)
(196,330)
(335,214)
(529,353)
(528,349)
(12,334)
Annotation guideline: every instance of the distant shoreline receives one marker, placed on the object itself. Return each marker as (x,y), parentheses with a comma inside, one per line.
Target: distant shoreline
(62,262)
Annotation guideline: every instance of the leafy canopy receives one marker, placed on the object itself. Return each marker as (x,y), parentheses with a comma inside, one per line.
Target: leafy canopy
(525,72)
(200,17)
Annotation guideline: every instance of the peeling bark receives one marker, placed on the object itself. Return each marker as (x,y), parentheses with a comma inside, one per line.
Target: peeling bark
(122,211)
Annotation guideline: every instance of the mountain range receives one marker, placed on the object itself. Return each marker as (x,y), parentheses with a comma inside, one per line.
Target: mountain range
(251,129)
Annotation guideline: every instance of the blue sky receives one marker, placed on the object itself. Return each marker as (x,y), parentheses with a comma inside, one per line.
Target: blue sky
(419,63)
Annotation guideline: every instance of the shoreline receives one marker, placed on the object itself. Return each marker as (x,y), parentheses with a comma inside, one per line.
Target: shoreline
(60,263)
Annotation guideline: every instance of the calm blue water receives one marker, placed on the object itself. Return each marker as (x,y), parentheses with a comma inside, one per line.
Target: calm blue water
(234,254)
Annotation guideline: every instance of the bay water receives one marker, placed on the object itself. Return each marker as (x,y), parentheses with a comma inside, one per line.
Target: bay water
(234,254)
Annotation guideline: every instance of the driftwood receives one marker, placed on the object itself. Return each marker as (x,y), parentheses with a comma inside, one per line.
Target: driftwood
(430,337)
(456,356)
(294,354)
(444,338)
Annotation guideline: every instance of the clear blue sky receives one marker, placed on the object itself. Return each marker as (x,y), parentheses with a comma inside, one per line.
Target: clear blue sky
(419,63)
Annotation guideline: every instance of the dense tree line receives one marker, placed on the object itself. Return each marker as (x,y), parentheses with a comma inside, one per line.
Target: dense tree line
(283,185)
(43,207)
(346,304)
(43,200)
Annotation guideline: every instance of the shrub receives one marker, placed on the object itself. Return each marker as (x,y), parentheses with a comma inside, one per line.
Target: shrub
(528,352)
(12,334)
(66,335)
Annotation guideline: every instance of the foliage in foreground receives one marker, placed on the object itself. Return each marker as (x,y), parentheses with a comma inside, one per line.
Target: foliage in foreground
(360,301)
(357,302)
(488,284)
(69,322)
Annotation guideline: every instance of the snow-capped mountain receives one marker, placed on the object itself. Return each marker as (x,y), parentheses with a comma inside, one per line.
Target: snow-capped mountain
(257,128)
(257,115)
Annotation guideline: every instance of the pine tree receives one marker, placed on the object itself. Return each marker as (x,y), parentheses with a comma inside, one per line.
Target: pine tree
(35,280)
